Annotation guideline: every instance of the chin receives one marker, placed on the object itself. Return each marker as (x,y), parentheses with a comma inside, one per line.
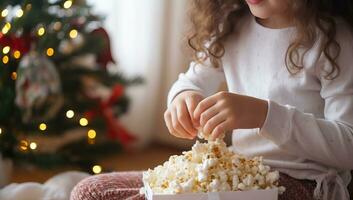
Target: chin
(260,13)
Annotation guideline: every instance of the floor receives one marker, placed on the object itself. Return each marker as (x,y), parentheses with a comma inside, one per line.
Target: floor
(137,160)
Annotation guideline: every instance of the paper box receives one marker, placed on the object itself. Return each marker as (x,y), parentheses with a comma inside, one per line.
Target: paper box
(239,195)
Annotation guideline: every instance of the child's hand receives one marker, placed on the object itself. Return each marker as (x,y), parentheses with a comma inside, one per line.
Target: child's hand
(179,116)
(226,111)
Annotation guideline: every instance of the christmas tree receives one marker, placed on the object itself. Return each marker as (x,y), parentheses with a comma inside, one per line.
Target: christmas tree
(54,80)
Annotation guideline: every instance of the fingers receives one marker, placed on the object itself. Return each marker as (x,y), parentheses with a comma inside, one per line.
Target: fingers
(185,120)
(168,122)
(191,106)
(208,114)
(179,130)
(220,129)
(212,123)
(204,105)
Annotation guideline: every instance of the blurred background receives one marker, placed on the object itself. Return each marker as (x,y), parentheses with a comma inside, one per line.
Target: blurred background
(83,85)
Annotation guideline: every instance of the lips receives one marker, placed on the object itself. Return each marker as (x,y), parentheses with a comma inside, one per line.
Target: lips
(254,1)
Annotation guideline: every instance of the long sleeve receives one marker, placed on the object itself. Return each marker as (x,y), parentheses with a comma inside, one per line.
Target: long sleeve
(328,140)
(200,77)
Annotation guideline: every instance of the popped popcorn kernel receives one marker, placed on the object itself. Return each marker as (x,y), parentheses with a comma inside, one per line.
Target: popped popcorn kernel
(211,167)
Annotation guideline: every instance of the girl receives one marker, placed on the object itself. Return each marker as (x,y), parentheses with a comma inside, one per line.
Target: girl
(289,69)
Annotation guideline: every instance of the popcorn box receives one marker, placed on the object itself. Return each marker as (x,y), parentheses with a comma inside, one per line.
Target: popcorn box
(271,194)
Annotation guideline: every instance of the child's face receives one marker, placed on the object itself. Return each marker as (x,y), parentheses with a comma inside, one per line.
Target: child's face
(265,9)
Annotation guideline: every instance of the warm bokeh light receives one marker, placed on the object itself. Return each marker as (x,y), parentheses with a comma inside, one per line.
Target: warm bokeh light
(42,127)
(17,54)
(14,76)
(19,13)
(6,28)
(91,134)
(6,50)
(0,131)
(97,169)
(50,52)
(41,31)
(4,13)
(5,59)
(70,114)
(33,145)
(67,4)
(73,33)
(23,145)
(83,122)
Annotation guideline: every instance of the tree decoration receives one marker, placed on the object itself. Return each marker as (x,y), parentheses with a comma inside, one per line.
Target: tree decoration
(59,104)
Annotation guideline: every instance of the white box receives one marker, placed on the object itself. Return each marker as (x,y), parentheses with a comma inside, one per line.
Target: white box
(271,194)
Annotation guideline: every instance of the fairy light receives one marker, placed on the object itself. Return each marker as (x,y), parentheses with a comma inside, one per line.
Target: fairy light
(6,50)
(97,169)
(0,131)
(83,122)
(33,145)
(5,59)
(73,33)
(17,54)
(23,145)
(41,31)
(4,13)
(67,4)
(14,76)
(42,127)
(50,52)
(19,13)
(91,134)
(70,114)
(6,28)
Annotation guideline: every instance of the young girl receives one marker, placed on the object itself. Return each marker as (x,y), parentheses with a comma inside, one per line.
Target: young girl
(288,65)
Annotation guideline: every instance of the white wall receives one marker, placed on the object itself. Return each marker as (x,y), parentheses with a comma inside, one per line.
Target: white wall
(146,40)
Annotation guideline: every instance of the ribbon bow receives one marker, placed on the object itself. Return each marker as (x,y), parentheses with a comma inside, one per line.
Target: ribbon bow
(114,129)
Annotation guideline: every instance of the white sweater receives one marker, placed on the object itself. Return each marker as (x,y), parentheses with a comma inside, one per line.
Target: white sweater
(308,132)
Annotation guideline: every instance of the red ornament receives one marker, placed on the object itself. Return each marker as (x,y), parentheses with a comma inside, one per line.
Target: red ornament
(105,56)
(22,44)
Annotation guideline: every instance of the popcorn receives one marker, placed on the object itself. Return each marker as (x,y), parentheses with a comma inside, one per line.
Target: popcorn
(211,167)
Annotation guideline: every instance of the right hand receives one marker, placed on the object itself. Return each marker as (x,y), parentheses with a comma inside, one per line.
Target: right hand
(179,115)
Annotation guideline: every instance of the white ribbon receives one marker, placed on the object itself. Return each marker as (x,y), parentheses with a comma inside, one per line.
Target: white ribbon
(322,190)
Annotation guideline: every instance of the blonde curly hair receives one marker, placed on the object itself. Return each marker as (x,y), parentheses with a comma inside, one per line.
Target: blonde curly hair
(213,20)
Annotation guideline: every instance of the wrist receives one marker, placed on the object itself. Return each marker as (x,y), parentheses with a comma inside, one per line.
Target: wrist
(262,113)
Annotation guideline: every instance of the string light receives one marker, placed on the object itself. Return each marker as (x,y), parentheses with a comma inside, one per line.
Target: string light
(41,31)
(6,49)
(73,33)
(6,28)
(33,145)
(19,13)
(4,13)
(97,169)
(42,127)
(14,76)
(70,114)
(5,59)
(50,52)
(91,134)
(83,122)
(67,4)
(23,145)
(0,131)
(17,54)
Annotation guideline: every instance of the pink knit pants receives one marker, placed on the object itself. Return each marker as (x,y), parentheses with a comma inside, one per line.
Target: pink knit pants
(126,186)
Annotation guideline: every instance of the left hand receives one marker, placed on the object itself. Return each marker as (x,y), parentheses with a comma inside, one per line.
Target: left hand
(226,111)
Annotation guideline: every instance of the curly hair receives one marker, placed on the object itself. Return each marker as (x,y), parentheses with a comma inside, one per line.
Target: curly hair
(214,20)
